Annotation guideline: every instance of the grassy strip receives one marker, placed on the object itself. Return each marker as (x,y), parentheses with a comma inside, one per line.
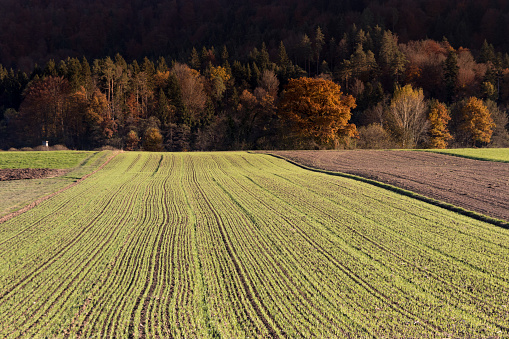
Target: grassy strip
(49,159)
(450,207)
(44,198)
(18,193)
(485,154)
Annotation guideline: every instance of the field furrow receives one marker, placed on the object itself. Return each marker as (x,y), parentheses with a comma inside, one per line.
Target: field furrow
(240,245)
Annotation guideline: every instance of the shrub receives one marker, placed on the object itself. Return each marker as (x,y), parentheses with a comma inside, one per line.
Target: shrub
(374,136)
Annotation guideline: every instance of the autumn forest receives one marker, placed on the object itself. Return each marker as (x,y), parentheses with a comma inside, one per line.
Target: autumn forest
(225,75)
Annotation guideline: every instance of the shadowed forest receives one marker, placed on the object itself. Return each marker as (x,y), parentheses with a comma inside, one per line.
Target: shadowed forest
(216,75)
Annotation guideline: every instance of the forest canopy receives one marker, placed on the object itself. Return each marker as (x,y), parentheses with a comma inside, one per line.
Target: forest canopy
(206,75)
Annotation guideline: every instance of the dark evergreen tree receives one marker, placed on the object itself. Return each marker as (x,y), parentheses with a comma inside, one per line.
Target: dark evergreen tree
(451,70)
(194,60)
(487,53)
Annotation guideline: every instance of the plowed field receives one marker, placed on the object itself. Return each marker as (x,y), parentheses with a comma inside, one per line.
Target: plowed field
(480,186)
(238,245)
(29,173)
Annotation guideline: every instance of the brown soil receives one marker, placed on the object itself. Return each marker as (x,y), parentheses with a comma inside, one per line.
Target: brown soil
(29,173)
(480,186)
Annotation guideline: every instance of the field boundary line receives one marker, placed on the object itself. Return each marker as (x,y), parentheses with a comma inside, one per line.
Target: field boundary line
(471,157)
(51,195)
(407,193)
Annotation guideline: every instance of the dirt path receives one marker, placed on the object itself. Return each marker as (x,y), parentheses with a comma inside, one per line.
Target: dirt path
(480,186)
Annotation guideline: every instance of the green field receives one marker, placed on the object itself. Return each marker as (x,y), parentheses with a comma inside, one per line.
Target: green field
(237,245)
(48,159)
(17,193)
(489,154)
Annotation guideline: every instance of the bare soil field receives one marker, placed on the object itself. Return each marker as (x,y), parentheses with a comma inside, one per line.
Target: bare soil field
(480,186)
(30,173)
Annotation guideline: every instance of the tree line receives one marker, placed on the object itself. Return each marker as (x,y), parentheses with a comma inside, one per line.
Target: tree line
(363,89)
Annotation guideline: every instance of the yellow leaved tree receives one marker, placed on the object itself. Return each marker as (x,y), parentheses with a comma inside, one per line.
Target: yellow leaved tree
(477,121)
(439,117)
(408,111)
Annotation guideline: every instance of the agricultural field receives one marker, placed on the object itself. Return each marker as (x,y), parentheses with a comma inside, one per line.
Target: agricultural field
(240,245)
(488,154)
(474,185)
(47,159)
(38,165)
(41,174)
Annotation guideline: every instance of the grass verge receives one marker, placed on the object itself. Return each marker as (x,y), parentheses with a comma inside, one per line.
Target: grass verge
(485,154)
(18,193)
(49,159)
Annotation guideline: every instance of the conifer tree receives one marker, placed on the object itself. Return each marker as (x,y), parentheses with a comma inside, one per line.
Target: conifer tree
(487,53)
(86,74)
(263,59)
(451,70)
(50,69)
(162,66)
(74,73)
(283,60)
(306,51)
(224,55)
(391,58)
(319,41)
(194,60)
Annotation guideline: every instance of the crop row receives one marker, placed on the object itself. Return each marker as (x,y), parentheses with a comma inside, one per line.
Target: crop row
(246,245)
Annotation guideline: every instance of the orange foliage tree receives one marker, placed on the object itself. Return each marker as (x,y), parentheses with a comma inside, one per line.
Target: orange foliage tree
(318,109)
(477,121)
(132,141)
(439,118)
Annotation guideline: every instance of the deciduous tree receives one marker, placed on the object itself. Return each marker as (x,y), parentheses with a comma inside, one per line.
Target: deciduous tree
(318,109)
(44,110)
(477,121)
(439,133)
(152,140)
(132,141)
(408,110)
(192,91)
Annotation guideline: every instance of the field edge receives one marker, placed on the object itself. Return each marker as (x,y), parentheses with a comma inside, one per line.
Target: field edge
(399,190)
(76,181)
(457,153)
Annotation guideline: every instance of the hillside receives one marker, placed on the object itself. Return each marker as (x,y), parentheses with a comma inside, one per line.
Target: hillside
(36,31)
